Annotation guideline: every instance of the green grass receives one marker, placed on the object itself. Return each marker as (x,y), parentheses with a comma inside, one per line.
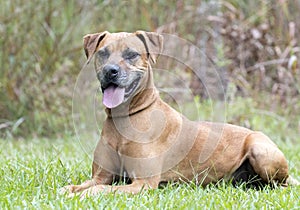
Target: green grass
(32,172)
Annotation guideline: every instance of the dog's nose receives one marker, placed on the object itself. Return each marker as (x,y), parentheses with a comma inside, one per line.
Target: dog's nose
(111,71)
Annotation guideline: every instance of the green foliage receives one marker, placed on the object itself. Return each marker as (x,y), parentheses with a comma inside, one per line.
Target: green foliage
(42,55)
(40,45)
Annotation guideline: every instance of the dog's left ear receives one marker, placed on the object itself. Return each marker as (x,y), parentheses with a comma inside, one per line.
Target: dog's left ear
(91,42)
(153,43)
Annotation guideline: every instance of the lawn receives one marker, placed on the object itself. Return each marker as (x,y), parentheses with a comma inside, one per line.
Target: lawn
(32,171)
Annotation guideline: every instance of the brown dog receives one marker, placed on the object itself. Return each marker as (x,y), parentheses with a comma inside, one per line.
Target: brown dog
(146,140)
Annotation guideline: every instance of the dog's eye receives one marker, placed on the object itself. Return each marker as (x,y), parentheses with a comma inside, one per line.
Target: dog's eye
(130,55)
(103,54)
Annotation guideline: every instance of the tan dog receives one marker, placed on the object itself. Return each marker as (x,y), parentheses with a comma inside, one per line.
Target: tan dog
(146,140)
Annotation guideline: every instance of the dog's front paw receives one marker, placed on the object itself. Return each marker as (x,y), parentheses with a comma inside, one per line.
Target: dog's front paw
(66,189)
(92,191)
(70,189)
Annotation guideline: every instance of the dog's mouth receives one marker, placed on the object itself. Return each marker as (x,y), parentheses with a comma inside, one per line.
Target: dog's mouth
(116,94)
(129,90)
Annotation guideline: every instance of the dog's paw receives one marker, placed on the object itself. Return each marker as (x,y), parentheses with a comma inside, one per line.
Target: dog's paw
(69,189)
(92,191)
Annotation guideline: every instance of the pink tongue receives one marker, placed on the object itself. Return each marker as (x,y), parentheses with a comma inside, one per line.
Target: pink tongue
(113,96)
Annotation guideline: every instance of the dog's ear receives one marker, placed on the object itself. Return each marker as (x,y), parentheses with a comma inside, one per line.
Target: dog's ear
(91,42)
(153,43)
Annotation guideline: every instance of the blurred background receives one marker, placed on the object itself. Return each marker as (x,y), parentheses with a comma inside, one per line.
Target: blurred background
(253,45)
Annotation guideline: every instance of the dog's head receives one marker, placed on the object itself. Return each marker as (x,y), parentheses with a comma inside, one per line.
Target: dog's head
(122,62)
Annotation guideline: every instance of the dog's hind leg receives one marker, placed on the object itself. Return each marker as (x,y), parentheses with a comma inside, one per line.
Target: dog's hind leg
(266,159)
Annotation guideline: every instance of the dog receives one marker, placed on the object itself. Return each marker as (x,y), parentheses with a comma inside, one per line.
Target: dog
(147,141)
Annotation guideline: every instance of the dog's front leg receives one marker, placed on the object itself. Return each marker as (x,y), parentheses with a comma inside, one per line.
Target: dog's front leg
(100,177)
(137,185)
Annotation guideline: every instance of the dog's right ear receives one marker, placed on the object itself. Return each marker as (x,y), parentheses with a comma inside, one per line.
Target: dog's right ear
(91,42)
